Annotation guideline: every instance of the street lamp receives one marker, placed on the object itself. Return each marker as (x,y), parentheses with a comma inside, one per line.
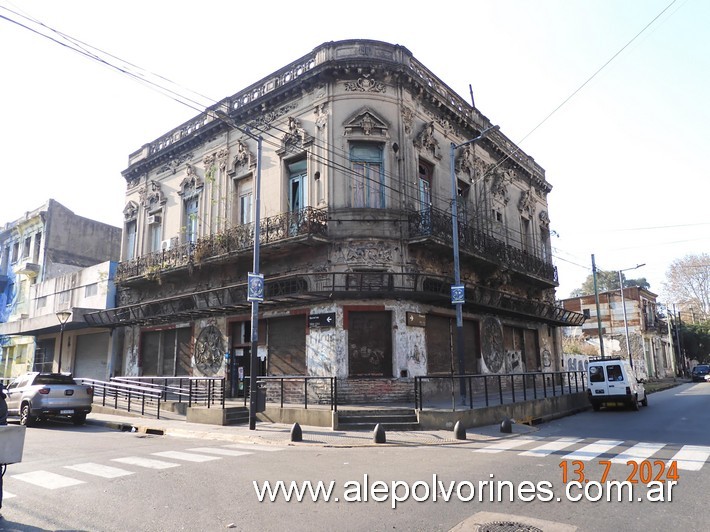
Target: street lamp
(623,306)
(457,289)
(63,317)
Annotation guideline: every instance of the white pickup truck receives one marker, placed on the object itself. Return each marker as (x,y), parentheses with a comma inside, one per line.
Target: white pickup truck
(34,396)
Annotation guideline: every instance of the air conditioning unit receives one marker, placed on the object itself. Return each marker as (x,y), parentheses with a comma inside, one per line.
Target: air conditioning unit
(165,245)
(153,219)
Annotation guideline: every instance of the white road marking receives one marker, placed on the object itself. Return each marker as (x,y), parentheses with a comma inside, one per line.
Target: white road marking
(145,462)
(591,451)
(7,495)
(188,457)
(638,453)
(219,450)
(99,470)
(255,447)
(505,445)
(551,447)
(45,479)
(692,457)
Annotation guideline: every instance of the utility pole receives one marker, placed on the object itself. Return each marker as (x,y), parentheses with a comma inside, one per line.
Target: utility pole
(596,299)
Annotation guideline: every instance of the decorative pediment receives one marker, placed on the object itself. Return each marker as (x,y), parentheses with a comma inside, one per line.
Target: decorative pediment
(526,204)
(366,124)
(426,141)
(152,196)
(191,185)
(243,161)
(130,211)
(296,138)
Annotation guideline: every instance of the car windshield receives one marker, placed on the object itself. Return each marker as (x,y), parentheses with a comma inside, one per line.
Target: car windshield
(702,368)
(54,379)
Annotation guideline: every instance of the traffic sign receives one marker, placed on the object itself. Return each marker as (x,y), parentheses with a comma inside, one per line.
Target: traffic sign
(326,319)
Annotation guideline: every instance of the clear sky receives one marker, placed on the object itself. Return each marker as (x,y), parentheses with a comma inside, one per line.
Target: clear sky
(626,155)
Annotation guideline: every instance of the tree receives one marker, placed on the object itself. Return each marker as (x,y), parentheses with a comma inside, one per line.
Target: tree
(607,280)
(688,284)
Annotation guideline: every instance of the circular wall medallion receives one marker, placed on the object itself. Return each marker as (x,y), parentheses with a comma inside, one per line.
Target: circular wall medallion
(209,351)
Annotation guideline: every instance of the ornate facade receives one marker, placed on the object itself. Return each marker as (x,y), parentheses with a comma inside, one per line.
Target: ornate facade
(355,223)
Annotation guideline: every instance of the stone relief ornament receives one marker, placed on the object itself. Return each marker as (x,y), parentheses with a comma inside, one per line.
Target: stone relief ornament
(366,123)
(296,136)
(492,344)
(365,253)
(151,195)
(222,156)
(527,202)
(130,211)
(499,187)
(407,118)
(544,219)
(426,141)
(321,116)
(209,351)
(365,84)
(191,184)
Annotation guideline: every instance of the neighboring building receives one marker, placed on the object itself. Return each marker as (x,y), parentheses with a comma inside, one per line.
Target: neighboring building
(37,251)
(651,350)
(355,233)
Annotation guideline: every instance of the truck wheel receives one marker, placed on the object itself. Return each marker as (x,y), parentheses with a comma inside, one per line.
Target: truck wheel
(78,419)
(645,400)
(596,406)
(26,418)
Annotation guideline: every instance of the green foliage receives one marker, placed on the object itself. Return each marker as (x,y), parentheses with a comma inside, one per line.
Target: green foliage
(696,341)
(607,280)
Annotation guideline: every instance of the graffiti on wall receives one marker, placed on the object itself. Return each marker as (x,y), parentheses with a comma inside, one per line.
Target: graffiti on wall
(492,345)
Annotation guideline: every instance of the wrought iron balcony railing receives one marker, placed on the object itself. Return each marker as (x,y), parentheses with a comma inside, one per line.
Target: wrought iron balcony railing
(436,223)
(235,240)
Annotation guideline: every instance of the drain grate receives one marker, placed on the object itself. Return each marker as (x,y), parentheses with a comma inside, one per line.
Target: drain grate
(507,526)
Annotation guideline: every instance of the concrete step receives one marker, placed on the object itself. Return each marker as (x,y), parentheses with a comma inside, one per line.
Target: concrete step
(236,415)
(385,426)
(389,419)
(382,418)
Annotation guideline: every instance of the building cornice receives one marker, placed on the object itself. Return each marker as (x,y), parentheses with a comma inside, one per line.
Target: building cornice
(263,101)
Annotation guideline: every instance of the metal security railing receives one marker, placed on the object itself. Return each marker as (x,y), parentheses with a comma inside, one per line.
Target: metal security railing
(296,390)
(125,396)
(489,390)
(208,391)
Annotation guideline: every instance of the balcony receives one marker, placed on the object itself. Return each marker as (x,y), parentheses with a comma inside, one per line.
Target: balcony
(436,225)
(235,241)
(26,267)
(311,288)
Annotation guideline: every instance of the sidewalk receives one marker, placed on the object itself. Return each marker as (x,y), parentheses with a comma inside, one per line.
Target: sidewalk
(279,434)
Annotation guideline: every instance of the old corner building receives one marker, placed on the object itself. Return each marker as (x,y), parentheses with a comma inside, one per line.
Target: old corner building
(355,234)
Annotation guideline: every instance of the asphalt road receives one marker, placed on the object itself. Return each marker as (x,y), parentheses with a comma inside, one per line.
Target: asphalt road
(96,479)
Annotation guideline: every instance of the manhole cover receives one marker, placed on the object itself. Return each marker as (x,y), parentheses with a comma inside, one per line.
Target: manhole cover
(507,526)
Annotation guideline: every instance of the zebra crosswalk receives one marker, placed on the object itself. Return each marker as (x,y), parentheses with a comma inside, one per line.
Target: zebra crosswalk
(81,473)
(687,457)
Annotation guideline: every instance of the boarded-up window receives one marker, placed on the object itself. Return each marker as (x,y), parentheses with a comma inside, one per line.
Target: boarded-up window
(521,349)
(166,353)
(370,344)
(287,346)
(442,351)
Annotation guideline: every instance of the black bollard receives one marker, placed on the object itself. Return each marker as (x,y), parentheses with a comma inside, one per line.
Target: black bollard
(378,435)
(296,432)
(506,425)
(459,431)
